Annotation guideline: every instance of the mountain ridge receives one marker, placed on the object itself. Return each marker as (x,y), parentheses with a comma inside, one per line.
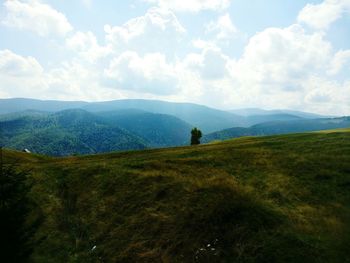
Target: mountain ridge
(280,127)
(206,118)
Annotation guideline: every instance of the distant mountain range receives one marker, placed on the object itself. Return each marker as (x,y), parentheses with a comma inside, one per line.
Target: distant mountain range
(260,112)
(62,128)
(280,127)
(206,118)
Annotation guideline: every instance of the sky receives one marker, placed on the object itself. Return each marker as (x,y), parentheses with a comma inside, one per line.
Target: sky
(271,54)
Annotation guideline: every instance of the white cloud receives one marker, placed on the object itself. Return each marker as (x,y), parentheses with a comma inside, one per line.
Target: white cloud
(75,80)
(19,76)
(280,59)
(35,16)
(211,64)
(82,41)
(86,45)
(340,60)
(191,5)
(223,27)
(279,68)
(148,74)
(327,96)
(286,68)
(158,29)
(319,95)
(321,16)
(14,65)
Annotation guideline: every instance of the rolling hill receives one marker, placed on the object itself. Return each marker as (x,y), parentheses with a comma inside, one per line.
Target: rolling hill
(265,199)
(280,127)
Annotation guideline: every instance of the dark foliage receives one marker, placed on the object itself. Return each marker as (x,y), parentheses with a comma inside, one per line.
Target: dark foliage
(15,227)
(158,130)
(73,132)
(67,133)
(196,135)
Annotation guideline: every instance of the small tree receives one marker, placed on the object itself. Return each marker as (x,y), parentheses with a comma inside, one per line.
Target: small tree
(196,134)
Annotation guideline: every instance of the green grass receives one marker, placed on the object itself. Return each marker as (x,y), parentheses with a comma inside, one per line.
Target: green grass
(336,130)
(266,199)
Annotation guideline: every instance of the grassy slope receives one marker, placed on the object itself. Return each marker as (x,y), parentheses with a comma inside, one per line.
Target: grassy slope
(269,199)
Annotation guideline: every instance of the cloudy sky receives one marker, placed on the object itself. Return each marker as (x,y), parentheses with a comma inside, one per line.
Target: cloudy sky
(226,54)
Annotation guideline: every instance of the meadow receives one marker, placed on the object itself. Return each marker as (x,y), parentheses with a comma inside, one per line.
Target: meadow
(254,199)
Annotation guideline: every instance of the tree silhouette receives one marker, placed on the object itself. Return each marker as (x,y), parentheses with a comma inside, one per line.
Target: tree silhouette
(196,134)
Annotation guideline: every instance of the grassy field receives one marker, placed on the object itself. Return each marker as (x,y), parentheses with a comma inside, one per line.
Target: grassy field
(265,199)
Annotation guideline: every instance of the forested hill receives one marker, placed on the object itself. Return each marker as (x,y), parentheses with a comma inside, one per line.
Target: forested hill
(80,132)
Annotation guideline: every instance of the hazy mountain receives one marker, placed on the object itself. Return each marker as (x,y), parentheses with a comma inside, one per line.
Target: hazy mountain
(260,112)
(281,127)
(15,115)
(255,119)
(207,119)
(21,104)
